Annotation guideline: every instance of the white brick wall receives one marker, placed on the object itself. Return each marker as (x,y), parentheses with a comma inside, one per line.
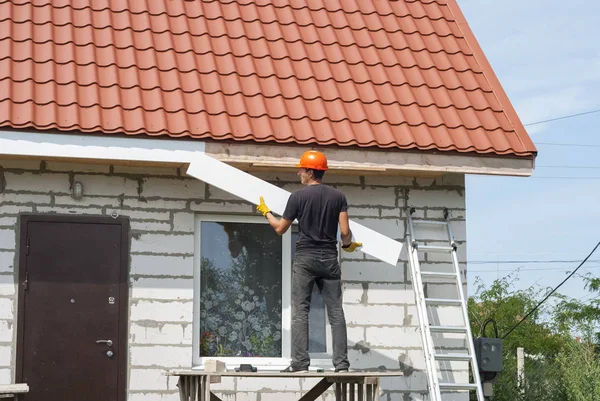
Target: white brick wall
(161,203)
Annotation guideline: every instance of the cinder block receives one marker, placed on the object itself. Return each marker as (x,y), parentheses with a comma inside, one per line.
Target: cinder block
(222,207)
(37,182)
(160,355)
(363,211)
(173,311)
(252,384)
(393,228)
(416,381)
(374,359)
(174,188)
(150,396)
(97,201)
(13,210)
(355,335)
(74,210)
(167,288)
(369,196)
(366,315)
(168,266)
(7,285)
(7,239)
(147,379)
(164,243)
(183,221)
(144,215)
(398,337)
(6,376)
(104,185)
(433,198)
(150,226)
(8,222)
(353,293)
(279,396)
(390,294)
(392,212)
(5,355)
(6,331)
(387,181)
(158,204)
(216,194)
(372,272)
(23,198)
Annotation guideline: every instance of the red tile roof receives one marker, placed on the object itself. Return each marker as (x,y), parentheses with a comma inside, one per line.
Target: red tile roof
(402,74)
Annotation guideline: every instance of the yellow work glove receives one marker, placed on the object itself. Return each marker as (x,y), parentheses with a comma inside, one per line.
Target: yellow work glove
(351,247)
(262,207)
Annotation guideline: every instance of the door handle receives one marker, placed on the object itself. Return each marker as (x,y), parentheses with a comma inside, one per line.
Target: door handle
(107,342)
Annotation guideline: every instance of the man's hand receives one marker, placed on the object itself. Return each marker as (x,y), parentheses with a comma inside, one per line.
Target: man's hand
(351,247)
(262,207)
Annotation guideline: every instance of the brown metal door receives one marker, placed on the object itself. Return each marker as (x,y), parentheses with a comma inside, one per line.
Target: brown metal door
(73,308)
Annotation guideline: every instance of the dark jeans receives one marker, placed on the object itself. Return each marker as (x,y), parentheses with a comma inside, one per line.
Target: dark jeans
(320,267)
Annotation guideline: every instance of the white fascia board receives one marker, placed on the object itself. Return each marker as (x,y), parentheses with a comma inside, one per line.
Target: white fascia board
(251,188)
(201,166)
(32,144)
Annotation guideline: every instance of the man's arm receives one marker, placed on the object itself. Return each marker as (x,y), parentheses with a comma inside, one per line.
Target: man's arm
(279,225)
(345,231)
(346,234)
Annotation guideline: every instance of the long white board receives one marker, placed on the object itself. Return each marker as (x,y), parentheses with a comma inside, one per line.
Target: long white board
(251,188)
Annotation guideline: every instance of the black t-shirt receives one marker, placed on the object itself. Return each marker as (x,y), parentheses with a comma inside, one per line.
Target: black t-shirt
(317,208)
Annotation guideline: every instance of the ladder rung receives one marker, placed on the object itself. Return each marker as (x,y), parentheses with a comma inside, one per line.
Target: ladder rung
(458,386)
(448,329)
(431,222)
(443,301)
(452,357)
(438,275)
(432,248)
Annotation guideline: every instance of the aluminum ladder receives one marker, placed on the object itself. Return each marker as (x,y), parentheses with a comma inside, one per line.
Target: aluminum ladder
(432,358)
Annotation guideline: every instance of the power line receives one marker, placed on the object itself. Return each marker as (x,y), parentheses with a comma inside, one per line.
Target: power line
(506,262)
(562,118)
(529,270)
(552,292)
(568,144)
(565,178)
(577,167)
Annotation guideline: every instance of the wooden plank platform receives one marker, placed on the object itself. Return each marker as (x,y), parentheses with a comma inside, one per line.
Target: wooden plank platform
(276,374)
(194,385)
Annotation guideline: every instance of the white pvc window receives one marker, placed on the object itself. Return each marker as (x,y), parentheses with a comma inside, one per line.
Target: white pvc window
(242,287)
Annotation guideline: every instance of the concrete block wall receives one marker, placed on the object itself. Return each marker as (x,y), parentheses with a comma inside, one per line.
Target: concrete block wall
(161,204)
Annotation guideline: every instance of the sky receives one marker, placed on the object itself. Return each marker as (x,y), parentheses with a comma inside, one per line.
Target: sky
(546,54)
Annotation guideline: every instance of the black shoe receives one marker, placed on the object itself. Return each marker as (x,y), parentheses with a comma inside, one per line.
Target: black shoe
(341,370)
(291,369)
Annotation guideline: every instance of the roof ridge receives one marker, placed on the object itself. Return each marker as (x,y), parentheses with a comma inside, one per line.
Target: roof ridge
(213,37)
(251,3)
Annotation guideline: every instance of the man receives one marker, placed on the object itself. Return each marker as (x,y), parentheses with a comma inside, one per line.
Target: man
(319,209)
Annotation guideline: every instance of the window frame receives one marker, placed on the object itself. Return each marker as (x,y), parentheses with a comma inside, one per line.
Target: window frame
(318,360)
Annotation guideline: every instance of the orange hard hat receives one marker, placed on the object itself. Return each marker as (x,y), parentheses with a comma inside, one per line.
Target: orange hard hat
(314,160)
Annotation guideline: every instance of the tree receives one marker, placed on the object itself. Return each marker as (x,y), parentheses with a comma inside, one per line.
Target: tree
(536,334)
